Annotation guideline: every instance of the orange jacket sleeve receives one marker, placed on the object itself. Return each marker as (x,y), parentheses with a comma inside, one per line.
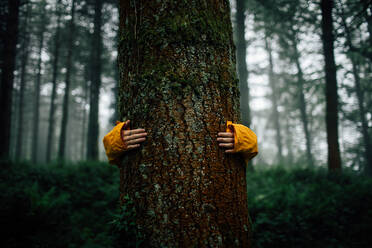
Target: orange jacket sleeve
(245,140)
(114,144)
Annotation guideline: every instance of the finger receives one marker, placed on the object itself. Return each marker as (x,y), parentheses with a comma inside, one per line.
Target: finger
(225,134)
(135,141)
(227,145)
(229,151)
(134,136)
(134,131)
(226,140)
(130,147)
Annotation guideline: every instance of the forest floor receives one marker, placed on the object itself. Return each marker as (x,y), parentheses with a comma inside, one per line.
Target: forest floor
(77,206)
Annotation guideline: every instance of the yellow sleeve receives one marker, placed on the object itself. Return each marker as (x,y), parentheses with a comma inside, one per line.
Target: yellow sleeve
(114,144)
(245,140)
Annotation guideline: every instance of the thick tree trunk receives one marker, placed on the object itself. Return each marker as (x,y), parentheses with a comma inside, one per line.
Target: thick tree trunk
(8,63)
(35,133)
(274,100)
(62,138)
(334,158)
(302,105)
(178,81)
(24,62)
(57,44)
(93,127)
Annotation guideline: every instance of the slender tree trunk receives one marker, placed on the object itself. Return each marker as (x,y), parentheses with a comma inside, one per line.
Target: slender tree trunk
(289,142)
(368,17)
(93,127)
(35,133)
(57,44)
(241,53)
(8,63)
(274,100)
(84,125)
(334,158)
(178,81)
(302,105)
(360,96)
(62,139)
(24,62)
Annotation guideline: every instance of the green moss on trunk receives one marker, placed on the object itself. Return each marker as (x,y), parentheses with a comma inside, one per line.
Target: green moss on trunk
(178,81)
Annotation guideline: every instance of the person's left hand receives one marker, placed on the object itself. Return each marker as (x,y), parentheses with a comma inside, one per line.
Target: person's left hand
(226,140)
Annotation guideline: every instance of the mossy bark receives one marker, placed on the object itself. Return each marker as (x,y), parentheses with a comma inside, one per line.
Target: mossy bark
(178,81)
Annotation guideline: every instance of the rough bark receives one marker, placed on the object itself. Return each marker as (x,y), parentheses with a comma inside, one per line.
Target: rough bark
(274,101)
(24,62)
(62,138)
(178,81)
(8,63)
(57,44)
(334,158)
(93,127)
(35,133)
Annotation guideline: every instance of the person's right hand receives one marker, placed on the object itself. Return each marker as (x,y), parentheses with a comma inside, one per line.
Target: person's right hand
(133,138)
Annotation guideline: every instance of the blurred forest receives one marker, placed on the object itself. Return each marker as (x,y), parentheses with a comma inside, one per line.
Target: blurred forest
(61,98)
(305,81)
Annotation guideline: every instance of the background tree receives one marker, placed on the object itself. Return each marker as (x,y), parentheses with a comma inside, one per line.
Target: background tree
(9,36)
(93,127)
(334,158)
(36,117)
(62,138)
(56,57)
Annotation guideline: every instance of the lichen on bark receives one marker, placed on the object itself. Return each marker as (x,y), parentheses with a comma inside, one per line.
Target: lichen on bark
(178,81)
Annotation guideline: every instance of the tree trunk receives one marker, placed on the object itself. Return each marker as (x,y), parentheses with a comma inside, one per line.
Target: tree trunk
(241,50)
(8,63)
(274,100)
(368,18)
(302,104)
(57,44)
(290,157)
(178,81)
(62,138)
(35,133)
(93,127)
(360,97)
(24,61)
(334,158)
(86,100)
(241,54)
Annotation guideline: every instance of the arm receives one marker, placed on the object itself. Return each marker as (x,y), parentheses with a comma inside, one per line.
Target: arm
(121,139)
(239,139)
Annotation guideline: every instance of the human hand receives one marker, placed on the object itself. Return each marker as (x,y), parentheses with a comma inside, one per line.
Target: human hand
(133,138)
(226,140)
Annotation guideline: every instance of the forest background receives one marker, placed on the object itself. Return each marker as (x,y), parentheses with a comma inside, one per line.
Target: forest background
(64,100)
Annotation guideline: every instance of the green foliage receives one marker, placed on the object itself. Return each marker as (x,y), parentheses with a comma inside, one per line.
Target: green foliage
(306,208)
(77,206)
(58,207)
